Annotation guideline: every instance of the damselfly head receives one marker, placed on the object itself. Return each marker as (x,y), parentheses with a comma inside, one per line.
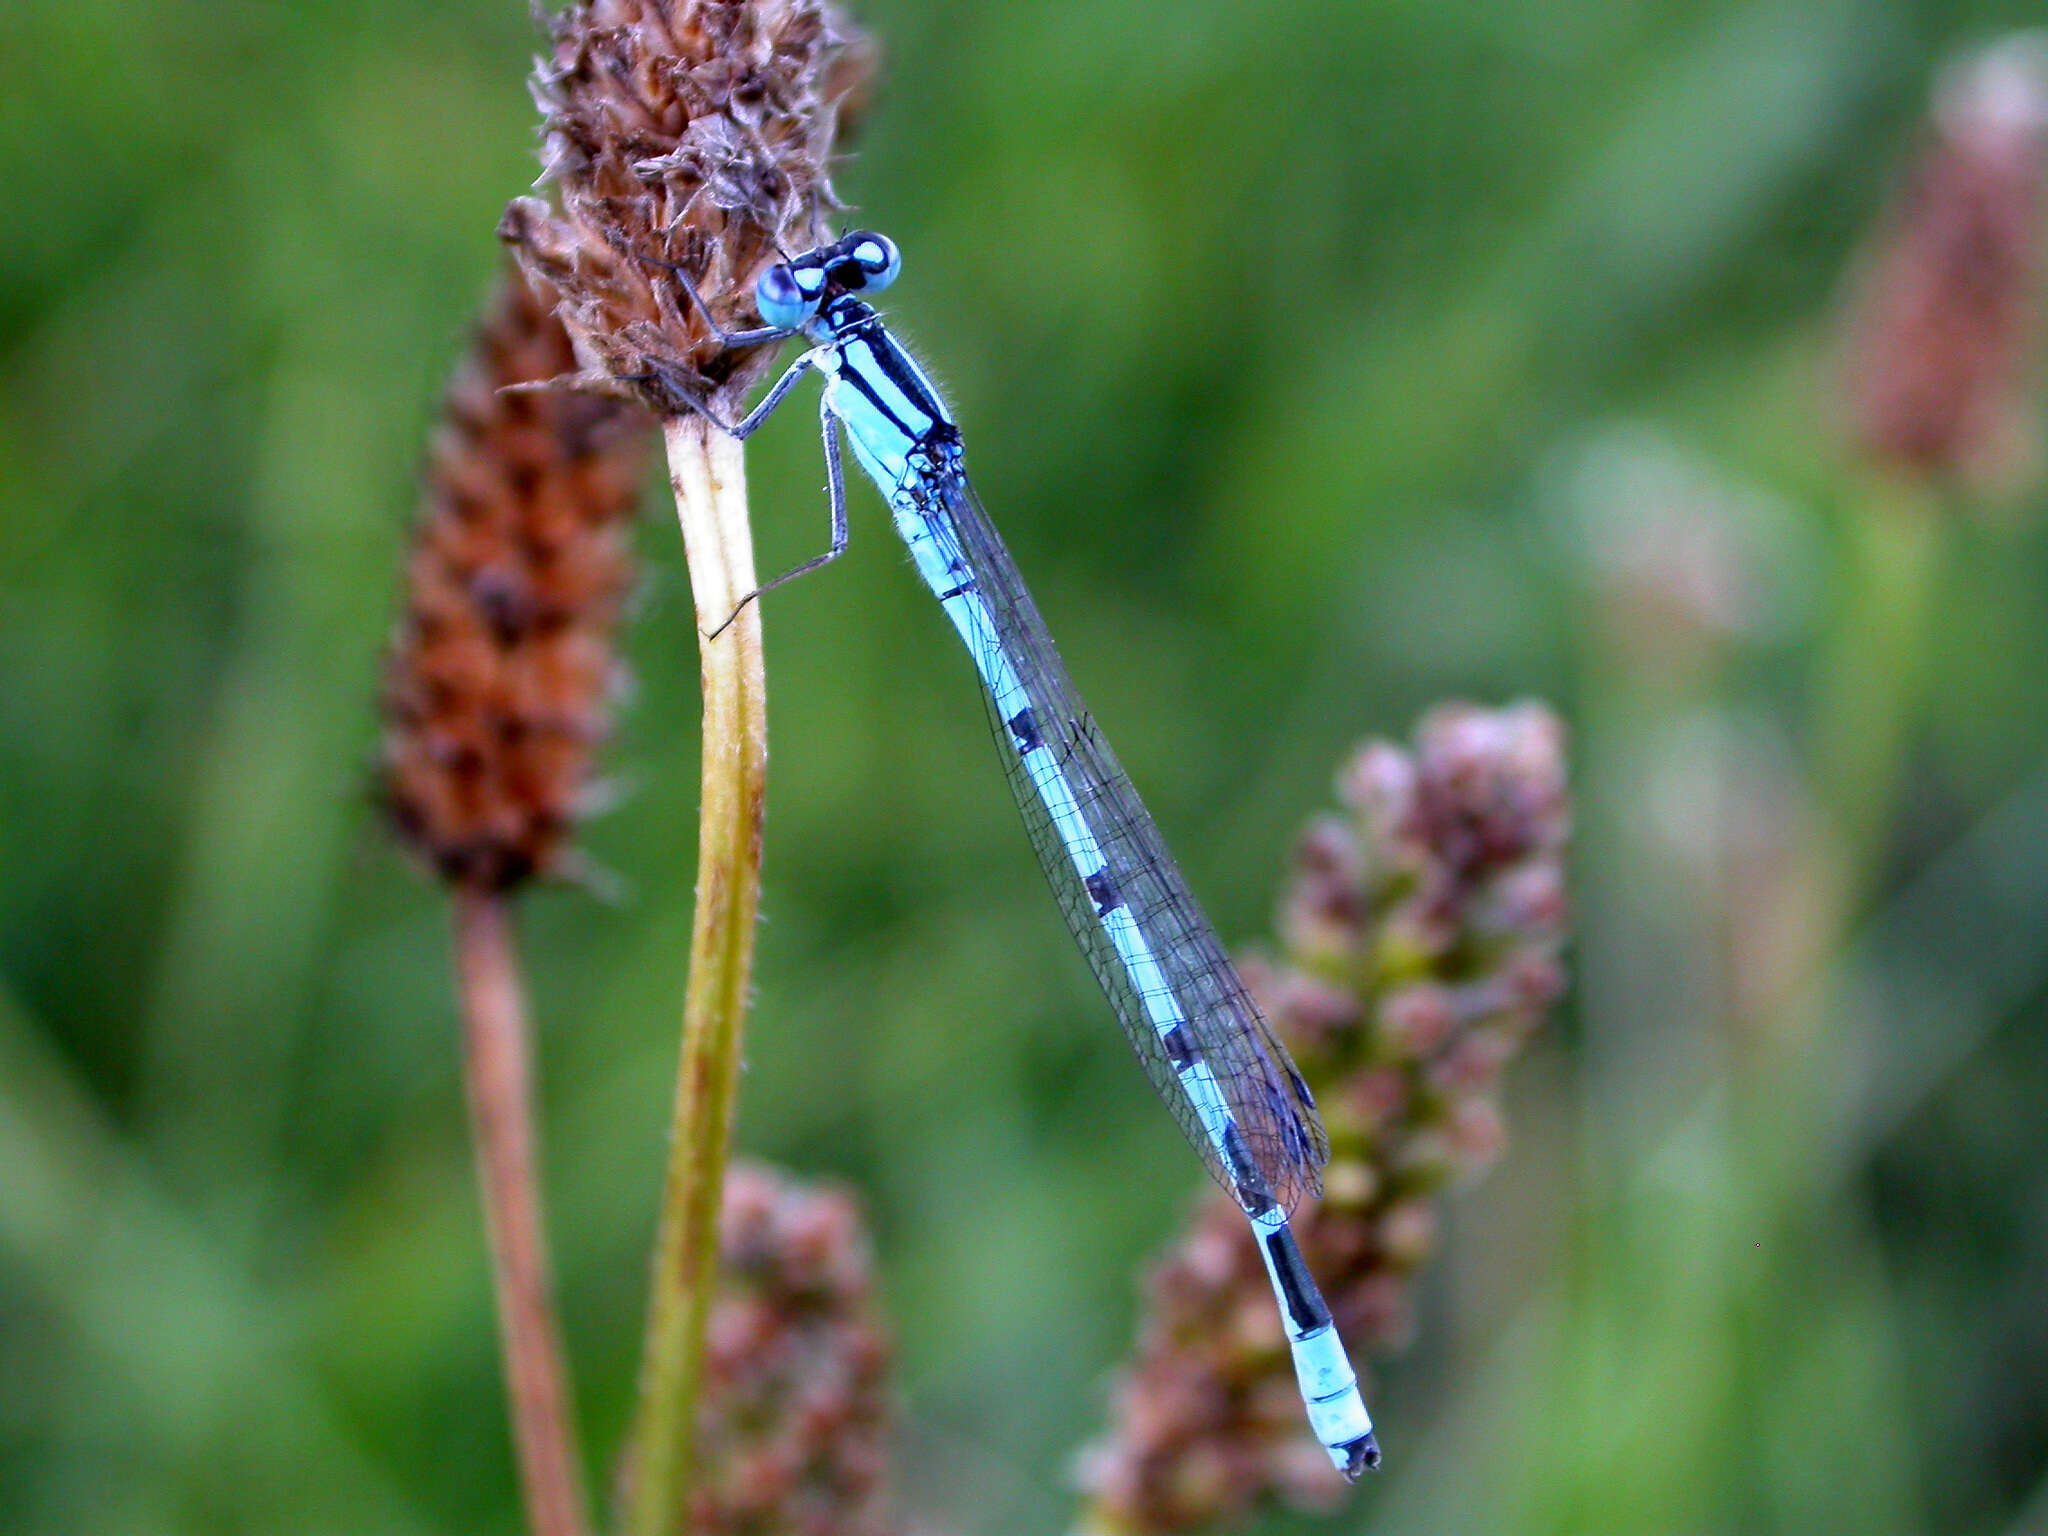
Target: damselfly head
(788,293)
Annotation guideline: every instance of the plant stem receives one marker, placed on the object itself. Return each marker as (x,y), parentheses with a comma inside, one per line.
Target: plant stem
(1874,677)
(708,475)
(501,1117)
(1872,696)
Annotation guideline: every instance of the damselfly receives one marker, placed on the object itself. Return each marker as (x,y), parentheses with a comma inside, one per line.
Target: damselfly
(1203,1041)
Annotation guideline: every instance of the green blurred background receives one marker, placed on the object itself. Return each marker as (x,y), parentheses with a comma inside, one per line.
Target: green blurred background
(1320,363)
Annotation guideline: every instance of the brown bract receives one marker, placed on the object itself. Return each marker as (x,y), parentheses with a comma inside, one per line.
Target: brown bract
(1421,937)
(498,684)
(686,132)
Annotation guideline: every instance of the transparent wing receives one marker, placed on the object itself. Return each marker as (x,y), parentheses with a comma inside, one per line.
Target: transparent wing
(1093,810)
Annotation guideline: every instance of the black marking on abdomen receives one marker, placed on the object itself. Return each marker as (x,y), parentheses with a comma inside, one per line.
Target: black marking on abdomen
(1305,1307)
(1247,1183)
(1024,726)
(1180,1050)
(1103,891)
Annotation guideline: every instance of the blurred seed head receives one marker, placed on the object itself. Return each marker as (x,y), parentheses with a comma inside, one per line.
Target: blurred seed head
(498,684)
(691,132)
(1944,323)
(1421,936)
(794,1421)
(1683,559)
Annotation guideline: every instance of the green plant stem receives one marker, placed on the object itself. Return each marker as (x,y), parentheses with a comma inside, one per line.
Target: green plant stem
(1873,678)
(708,475)
(1872,693)
(500,1083)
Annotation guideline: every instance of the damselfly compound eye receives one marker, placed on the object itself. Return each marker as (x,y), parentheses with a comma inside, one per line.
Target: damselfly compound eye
(784,298)
(876,256)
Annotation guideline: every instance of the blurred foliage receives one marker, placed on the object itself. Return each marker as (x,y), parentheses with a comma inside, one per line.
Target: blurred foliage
(1319,365)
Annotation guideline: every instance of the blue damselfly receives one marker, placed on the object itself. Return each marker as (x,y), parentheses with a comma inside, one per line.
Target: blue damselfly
(1201,1037)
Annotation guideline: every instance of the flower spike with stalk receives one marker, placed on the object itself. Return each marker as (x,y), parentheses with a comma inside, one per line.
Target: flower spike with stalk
(689,137)
(495,700)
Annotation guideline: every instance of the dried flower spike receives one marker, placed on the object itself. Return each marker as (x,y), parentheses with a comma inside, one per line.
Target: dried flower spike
(497,687)
(793,1422)
(681,134)
(1422,934)
(689,140)
(1946,318)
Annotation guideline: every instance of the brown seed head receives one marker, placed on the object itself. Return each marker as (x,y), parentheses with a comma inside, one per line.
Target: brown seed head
(1422,934)
(1945,321)
(497,687)
(696,133)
